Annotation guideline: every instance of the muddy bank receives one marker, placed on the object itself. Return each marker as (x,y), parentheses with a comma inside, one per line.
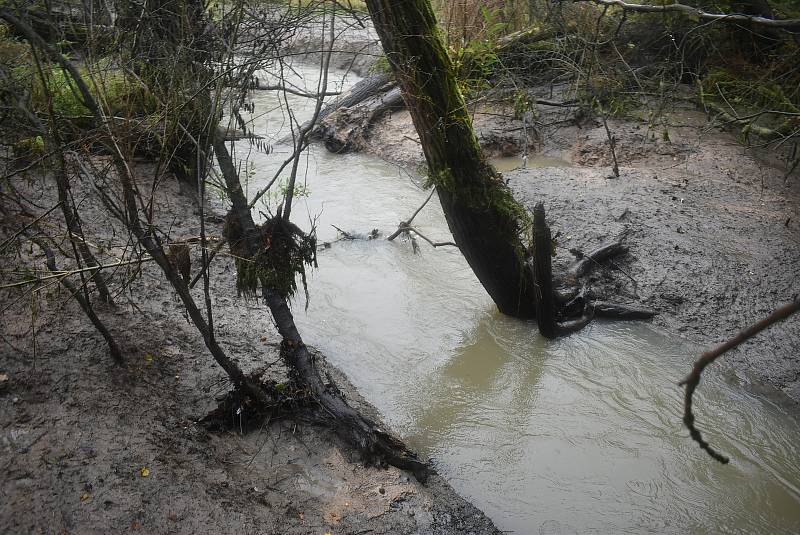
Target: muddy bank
(87,447)
(713,227)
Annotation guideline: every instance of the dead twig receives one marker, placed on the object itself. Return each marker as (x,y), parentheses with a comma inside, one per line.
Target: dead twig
(84,303)
(693,379)
(26,227)
(405,225)
(612,143)
(433,243)
(695,13)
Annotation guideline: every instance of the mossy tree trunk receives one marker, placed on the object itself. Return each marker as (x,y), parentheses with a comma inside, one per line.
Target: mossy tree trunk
(484,218)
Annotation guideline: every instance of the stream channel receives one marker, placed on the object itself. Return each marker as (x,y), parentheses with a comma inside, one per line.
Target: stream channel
(577,435)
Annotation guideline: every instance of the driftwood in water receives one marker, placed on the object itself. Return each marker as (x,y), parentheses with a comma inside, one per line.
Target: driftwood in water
(374,443)
(346,129)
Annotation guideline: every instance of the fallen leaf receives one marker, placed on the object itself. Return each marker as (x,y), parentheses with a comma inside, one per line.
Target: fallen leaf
(144,471)
(85,496)
(148,357)
(136,525)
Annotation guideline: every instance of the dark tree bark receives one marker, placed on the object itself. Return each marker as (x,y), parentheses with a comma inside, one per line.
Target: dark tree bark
(480,210)
(543,274)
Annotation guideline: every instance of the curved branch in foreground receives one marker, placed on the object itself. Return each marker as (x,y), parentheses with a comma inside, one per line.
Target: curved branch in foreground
(689,11)
(693,379)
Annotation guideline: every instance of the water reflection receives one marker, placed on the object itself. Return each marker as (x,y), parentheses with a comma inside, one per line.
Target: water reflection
(464,391)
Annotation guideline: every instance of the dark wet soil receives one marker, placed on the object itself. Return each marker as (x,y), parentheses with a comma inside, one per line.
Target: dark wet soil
(90,447)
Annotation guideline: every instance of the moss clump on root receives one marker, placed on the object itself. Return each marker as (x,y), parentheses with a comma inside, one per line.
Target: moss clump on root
(284,252)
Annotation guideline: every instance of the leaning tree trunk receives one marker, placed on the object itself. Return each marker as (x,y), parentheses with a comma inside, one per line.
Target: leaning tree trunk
(480,210)
(374,443)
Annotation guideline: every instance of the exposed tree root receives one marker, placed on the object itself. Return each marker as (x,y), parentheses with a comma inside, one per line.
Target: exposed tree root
(586,262)
(564,310)
(621,312)
(375,444)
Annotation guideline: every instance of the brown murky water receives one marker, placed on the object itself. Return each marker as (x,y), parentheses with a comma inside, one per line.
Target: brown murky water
(578,435)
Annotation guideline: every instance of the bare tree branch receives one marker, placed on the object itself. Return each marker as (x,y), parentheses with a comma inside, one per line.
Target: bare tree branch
(693,12)
(693,379)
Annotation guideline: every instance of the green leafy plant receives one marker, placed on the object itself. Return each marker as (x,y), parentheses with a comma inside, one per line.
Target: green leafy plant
(476,60)
(121,95)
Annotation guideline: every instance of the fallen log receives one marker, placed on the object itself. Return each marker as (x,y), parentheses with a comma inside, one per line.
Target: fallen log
(347,129)
(368,87)
(383,83)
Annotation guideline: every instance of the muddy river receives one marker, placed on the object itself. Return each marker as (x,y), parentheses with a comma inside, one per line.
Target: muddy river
(577,435)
